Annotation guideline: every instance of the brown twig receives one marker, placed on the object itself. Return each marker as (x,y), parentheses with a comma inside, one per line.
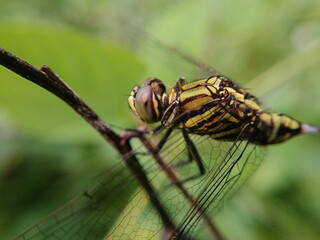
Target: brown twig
(48,80)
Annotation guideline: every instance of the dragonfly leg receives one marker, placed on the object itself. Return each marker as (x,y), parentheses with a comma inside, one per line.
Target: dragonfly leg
(193,155)
(163,140)
(137,133)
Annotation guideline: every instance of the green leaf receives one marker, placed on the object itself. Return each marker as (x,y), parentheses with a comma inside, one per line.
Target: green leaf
(100,72)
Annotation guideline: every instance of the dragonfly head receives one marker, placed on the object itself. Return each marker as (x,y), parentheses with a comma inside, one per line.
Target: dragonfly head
(149,100)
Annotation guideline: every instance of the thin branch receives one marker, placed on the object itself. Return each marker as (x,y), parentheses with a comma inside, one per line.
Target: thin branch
(47,79)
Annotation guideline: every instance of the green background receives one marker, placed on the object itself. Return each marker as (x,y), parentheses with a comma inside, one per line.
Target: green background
(48,154)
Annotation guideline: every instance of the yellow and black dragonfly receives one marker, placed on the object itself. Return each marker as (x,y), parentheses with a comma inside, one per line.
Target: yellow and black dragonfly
(220,110)
(211,138)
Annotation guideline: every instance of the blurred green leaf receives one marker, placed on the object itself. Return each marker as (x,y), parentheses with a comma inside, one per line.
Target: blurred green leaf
(100,72)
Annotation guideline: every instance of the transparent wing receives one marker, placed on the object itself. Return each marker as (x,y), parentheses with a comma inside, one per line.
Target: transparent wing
(116,207)
(225,174)
(92,214)
(161,60)
(228,165)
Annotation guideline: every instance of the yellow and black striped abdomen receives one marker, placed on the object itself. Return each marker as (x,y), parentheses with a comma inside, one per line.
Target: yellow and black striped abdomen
(275,128)
(222,110)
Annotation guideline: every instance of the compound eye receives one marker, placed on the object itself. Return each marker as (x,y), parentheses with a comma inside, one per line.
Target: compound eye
(147,106)
(146,100)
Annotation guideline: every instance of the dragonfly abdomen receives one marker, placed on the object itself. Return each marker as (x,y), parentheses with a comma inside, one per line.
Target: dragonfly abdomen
(275,128)
(219,108)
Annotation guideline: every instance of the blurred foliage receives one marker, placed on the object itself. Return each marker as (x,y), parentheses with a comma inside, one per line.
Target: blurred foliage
(273,47)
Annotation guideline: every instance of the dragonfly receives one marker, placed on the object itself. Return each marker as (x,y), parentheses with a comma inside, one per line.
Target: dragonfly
(210,140)
(220,109)
(212,133)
